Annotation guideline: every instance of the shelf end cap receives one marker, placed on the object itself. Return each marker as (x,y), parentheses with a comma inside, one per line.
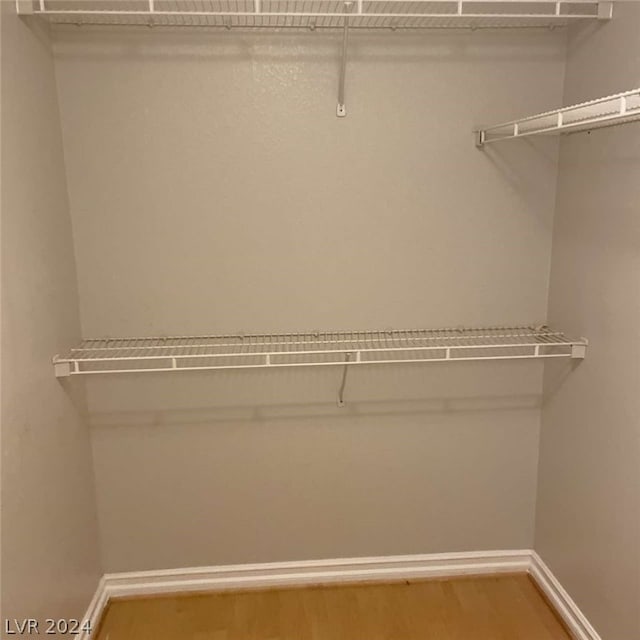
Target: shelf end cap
(62,369)
(24,7)
(579,350)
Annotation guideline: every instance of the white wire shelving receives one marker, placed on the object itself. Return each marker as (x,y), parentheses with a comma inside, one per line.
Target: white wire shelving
(601,112)
(320,14)
(367,14)
(196,353)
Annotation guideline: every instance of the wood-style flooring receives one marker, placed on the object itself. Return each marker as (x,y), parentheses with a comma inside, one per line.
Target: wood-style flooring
(485,608)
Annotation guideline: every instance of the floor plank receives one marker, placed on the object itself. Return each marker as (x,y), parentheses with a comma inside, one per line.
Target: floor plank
(484,608)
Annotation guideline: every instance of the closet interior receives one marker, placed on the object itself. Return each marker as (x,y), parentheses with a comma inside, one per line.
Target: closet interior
(230,226)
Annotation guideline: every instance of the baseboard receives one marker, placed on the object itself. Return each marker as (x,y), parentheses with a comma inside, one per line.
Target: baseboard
(94,612)
(316,572)
(561,601)
(342,571)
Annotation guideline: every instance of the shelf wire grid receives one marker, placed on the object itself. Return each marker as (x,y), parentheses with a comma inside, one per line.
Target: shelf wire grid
(607,111)
(189,353)
(366,14)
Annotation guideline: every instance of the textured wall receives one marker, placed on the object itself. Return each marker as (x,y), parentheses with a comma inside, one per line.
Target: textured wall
(213,189)
(588,514)
(50,565)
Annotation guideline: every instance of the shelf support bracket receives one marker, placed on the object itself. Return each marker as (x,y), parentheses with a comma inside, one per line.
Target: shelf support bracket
(341,110)
(347,359)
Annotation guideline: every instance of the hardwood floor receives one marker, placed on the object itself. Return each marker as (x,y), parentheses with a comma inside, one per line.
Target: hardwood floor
(487,608)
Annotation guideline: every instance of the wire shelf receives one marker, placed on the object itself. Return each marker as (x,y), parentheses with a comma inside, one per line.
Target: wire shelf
(601,112)
(194,353)
(312,14)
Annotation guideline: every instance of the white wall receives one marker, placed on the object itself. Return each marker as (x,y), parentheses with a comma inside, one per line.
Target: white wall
(588,514)
(213,189)
(50,564)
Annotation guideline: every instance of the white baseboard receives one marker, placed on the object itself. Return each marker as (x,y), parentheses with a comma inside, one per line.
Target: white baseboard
(341,571)
(561,601)
(315,572)
(94,611)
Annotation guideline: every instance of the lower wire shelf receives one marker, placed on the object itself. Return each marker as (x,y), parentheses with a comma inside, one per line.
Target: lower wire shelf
(197,353)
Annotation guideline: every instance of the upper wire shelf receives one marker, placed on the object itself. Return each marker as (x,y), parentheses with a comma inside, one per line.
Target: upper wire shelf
(194,353)
(601,112)
(312,14)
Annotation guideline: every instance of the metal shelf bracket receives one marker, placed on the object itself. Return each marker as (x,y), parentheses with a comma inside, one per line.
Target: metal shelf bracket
(347,359)
(341,110)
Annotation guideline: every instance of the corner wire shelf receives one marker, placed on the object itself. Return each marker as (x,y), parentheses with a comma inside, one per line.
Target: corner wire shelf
(616,109)
(312,14)
(346,348)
